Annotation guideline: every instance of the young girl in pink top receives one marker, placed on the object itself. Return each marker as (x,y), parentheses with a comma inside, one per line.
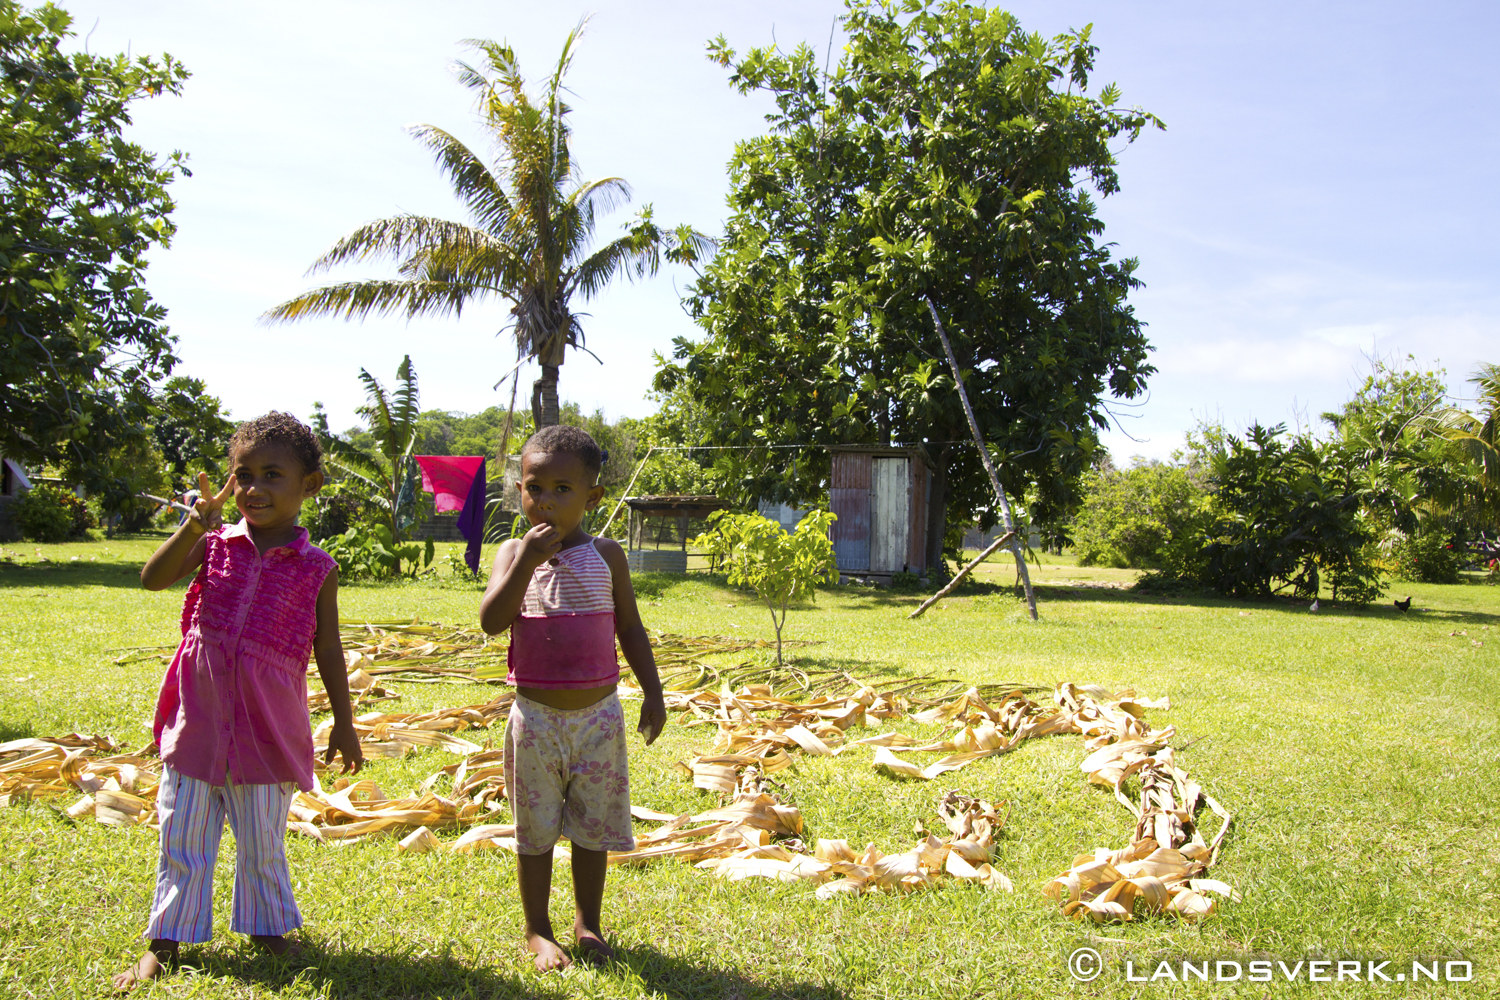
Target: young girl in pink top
(231,719)
(565,596)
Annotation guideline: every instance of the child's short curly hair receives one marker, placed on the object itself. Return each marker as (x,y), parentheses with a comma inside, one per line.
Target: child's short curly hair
(283,429)
(560,439)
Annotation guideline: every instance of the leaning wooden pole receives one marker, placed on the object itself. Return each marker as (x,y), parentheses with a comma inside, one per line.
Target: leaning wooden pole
(989,466)
(959,576)
(628,487)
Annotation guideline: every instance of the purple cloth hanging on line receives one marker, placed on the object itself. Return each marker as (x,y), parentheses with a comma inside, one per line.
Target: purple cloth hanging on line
(471,519)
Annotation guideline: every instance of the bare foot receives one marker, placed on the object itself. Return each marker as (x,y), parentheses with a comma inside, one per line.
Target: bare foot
(592,947)
(150,965)
(547,953)
(278,946)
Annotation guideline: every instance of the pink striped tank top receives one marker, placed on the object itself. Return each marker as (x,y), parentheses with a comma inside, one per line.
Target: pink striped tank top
(564,637)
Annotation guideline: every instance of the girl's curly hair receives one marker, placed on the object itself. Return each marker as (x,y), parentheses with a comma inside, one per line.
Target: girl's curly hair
(563,439)
(284,429)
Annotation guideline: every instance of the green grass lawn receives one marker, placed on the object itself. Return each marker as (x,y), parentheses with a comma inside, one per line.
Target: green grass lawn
(1358,750)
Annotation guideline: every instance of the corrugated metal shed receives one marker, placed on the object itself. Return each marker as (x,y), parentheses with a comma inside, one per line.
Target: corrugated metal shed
(880,496)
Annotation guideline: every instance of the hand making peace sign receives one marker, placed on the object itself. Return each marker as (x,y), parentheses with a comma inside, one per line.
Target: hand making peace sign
(208,509)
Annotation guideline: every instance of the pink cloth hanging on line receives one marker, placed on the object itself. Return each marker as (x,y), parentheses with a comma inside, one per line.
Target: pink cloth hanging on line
(449,478)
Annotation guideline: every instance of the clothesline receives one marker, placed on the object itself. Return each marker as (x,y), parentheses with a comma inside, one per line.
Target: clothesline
(800,447)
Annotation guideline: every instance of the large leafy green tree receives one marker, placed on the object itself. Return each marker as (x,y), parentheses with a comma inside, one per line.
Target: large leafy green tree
(948,158)
(192,430)
(1288,514)
(530,238)
(83,341)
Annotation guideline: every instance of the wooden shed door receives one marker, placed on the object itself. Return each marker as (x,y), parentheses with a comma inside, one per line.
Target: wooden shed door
(889,514)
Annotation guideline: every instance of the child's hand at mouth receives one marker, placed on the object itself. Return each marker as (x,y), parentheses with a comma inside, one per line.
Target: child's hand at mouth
(541,543)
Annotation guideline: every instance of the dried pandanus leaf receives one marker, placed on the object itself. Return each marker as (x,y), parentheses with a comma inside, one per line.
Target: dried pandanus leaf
(419,841)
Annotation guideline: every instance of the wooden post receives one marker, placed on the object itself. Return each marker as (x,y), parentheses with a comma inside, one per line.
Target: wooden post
(959,576)
(984,456)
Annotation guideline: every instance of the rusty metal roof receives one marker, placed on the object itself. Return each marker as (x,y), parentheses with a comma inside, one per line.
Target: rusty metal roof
(677,506)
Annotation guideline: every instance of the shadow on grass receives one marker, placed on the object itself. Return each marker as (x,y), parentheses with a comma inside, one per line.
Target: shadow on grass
(682,979)
(365,973)
(10,731)
(1380,611)
(419,974)
(1083,593)
(70,574)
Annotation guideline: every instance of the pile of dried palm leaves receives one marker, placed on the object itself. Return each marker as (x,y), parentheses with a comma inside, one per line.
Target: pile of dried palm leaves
(741,849)
(119,789)
(1159,872)
(755,733)
(428,652)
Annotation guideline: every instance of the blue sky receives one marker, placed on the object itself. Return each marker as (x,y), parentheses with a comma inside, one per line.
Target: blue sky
(1324,190)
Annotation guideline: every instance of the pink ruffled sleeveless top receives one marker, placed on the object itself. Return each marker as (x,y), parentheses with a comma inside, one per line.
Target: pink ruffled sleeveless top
(564,637)
(234,700)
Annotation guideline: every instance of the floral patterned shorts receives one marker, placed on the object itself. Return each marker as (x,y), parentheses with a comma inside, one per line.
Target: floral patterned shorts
(565,774)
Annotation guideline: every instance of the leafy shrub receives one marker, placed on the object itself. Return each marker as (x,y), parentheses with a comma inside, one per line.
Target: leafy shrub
(49,513)
(454,560)
(333,510)
(369,552)
(905,581)
(1150,516)
(1161,582)
(82,515)
(1426,557)
(1287,515)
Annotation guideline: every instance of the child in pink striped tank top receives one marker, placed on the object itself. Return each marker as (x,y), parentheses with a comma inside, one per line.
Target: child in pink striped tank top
(231,718)
(566,596)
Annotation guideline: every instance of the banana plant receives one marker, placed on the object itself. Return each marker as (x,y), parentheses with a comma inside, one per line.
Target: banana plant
(390,474)
(370,551)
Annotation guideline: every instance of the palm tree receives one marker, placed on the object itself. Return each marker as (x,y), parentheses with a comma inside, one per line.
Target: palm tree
(1478,434)
(531,228)
(388,474)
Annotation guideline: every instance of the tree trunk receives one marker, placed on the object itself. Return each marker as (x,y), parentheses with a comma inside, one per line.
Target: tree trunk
(937,510)
(544,410)
(395,513)
(778,624)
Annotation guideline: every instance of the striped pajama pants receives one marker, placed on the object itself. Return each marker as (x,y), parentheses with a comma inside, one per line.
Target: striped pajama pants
(191,815)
